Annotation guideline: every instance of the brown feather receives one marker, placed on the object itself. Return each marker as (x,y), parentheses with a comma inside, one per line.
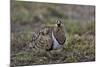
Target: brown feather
(59,34)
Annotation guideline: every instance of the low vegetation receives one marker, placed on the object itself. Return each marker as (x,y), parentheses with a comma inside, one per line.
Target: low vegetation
(79,46)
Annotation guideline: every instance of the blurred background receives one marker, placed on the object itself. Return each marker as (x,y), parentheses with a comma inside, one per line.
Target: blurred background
(79,21)
(29,15)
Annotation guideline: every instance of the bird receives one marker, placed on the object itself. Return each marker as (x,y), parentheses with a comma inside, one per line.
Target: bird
(58,35)
(50,37)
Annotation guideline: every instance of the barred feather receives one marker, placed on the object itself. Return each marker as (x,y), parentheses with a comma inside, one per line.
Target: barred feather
(49,37)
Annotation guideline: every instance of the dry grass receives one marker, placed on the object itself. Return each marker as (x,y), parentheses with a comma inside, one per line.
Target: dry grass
(80,44)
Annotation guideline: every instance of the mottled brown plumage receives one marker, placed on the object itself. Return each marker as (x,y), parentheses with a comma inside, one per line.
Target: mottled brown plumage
(59,34)
(47,36)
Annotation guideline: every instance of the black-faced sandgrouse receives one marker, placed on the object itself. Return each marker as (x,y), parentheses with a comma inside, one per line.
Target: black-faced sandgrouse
(50,37)
(58,35)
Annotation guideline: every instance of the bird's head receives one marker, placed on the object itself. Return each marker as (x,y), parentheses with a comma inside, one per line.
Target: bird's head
(59,23)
